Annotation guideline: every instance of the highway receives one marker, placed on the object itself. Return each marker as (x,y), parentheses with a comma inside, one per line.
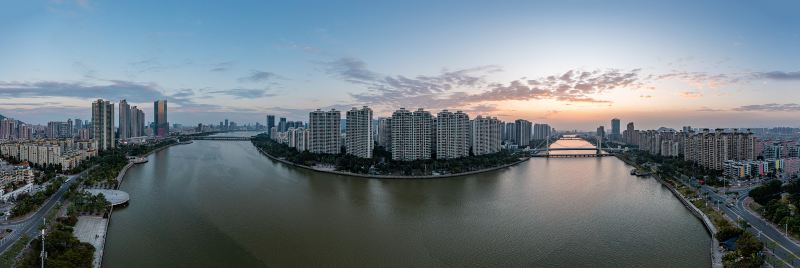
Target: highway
(786,251)
(30,225)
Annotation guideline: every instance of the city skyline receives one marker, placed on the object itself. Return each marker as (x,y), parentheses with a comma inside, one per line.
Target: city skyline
(712,64)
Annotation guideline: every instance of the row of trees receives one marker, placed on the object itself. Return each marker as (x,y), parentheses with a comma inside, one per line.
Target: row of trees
(381,163)
(27,203)
(783,212)
(83,202)
(676,166)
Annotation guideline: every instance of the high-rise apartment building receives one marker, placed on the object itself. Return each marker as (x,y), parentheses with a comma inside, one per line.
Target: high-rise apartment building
(136,122)
(323,128)
(541,131)
(124,129)
(383,133)
(711,150)
(523,135)
(282,125)
(411,135)
(270,123)
(601,132)
(358,132)
(160,119)
(510,132)
(629,135)
(452,134)
(615,135)
(9,129)
(103,124)
(78,126)
(57,130)
(485,132)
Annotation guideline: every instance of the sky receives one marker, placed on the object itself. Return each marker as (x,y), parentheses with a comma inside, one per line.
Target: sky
(572,64)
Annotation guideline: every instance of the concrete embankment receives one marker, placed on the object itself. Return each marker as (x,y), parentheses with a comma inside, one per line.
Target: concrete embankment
(716,255)
(389,176)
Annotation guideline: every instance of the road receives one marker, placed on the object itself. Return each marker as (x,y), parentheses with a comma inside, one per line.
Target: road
(30,226)
(786,251)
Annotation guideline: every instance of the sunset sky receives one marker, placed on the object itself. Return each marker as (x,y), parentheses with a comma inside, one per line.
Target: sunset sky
(573,64)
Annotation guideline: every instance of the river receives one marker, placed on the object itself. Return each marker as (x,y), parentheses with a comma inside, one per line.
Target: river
(222,204)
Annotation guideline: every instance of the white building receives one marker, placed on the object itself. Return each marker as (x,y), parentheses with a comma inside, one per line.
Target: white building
(486,135)
(103,124)
(452,135)
(411,135)
(323,127)
(358,138)
(523,135)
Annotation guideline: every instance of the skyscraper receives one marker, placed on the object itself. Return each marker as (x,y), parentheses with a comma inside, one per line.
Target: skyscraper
(629,135)
(541,131)
(137,122)
(615,129)
(323,131)
(78,125)
(358,138)
(523,135)
(485,133)
(411,135)
(383,133)
(160,118)
(124,120)
(282,124)
(452,135)
(270,123)
(9,129)
(103,124)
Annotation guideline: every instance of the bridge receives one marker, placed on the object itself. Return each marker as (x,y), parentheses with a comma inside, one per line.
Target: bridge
(222,138)
(596,151)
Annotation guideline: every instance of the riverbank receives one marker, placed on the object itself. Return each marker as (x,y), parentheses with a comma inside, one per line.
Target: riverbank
(716,254)
(388,176)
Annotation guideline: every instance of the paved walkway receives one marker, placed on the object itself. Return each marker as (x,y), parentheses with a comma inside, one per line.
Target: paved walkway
(115,197)
(92,230)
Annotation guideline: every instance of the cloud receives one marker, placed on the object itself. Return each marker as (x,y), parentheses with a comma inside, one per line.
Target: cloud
(458,88)
(259,76)
(709,109)
(242,93)
(645,96)
(701,79)
(779,75)
(114,89)
(351,70)
(770,107)
(691,94)
(222,66)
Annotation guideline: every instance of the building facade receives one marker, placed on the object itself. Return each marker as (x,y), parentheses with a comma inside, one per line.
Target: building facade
(411,135)
(452,135)
(523,136)
(485,132)
(324,135)
(712,149)
(103,124)
(160,119)
(358,132)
